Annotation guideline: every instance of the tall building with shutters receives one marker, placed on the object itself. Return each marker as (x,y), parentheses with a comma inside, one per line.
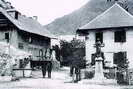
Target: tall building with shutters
(114,28)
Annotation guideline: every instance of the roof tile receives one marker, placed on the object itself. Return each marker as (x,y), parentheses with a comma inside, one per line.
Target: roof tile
(28,24)
(115,16)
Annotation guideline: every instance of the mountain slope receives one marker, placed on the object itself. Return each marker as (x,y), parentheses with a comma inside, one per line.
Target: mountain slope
(68,24)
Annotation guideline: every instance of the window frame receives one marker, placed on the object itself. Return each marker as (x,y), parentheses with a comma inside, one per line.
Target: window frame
(7,36)
(120,36)
(99,35)
(21,45)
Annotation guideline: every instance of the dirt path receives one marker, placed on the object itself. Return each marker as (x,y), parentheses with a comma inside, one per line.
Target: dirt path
(60,80)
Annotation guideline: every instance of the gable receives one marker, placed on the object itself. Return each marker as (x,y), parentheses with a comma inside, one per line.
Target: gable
(114,17)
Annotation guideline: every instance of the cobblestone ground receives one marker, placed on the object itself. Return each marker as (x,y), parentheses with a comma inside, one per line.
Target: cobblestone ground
(60,80)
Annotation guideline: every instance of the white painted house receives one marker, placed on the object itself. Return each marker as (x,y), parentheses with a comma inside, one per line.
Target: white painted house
(114,28)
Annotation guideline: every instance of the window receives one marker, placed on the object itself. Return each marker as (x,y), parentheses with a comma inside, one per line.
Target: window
(16,15)
(20,63)
(93,59)
(20,45)
(30,40)
(7,36)
(99,36)
(120,36)
(120,59)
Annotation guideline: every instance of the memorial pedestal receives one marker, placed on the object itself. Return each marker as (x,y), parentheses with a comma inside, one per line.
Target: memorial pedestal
(99,76)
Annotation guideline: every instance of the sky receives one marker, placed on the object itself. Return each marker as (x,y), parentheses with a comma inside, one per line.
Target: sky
(47,10)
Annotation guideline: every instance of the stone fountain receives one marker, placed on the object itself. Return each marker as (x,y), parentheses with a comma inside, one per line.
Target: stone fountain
(99,76)
(99,73)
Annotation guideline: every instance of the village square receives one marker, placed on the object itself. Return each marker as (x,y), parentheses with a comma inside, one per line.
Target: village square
(98,55)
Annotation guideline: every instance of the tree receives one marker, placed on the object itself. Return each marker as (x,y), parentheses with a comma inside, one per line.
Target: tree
(123,3)
(70,50)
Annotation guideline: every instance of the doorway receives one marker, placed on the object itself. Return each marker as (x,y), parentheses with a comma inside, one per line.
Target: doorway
(120,59)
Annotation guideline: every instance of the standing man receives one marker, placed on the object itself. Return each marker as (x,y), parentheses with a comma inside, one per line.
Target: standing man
(75,66)
(47,65)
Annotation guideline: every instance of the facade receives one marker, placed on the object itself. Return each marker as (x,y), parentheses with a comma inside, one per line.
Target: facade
(114,28)
(23,32)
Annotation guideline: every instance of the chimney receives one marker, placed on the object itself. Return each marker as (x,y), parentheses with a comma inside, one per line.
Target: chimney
(8,5)
(14,13)
(35,17)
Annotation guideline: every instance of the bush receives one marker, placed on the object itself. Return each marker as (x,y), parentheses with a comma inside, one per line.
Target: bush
(6,64)
(121,79)
(89,74)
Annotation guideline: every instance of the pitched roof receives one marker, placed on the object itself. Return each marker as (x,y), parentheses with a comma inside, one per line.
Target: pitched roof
(115,16)
(28,24)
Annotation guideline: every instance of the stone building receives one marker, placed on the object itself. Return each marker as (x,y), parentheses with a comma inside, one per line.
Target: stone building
(23,32)
(114,28)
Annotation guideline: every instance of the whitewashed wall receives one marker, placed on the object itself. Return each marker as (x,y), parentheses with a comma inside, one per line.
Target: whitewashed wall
(111,47)
(89,46)
(129,47)
(13,37)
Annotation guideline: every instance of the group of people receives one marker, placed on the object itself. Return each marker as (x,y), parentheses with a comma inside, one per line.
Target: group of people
(47,64)
(75,65)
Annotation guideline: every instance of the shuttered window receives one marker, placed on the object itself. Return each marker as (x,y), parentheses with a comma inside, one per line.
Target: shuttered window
(120,36)
(120,59)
